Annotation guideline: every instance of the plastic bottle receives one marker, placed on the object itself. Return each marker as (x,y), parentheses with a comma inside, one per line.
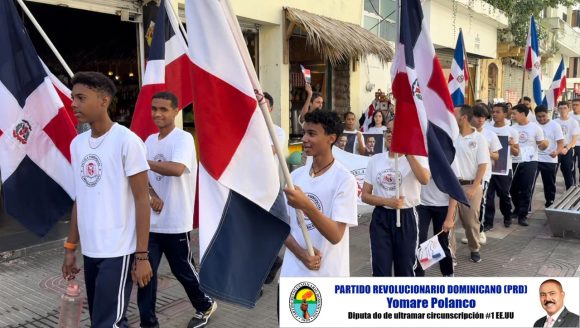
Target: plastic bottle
(71,307)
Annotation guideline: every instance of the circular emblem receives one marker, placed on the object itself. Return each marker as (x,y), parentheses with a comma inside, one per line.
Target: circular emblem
(22,132)
(91,170)
(305,302)
(159,158)
(313,198)
(472,144)
(523,137)
(537,65)
(460,78)
(387,179)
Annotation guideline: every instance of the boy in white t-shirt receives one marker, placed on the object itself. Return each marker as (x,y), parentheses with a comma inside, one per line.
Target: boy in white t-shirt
(393,248)
(327,194)
(171,156)
(110,216)
(576,112)
(548,158)
(571,130)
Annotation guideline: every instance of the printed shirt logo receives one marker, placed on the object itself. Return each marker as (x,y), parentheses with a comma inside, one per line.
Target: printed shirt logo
(523,137)
(387,179)
(91,170)
(22,132)
(472,144)
(565,131)
(305,302)
(314,199)
(359,175)
(159,158)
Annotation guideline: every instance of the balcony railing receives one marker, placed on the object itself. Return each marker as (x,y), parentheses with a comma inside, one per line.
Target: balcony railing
(568,38)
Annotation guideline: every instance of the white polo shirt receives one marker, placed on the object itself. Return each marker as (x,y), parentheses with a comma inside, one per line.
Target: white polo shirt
(105,204)
(494,146)
(552,133)
(529,135)
(577,117)
(177,193)
(569,129)
(471,151)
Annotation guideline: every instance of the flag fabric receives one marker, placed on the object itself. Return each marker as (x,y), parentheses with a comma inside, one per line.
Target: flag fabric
(169,68)
(64,93)
(556,88)
(306,73)
(243,221)
(35,133)
(533,61)
(367,118)
(459,77)
(418,79)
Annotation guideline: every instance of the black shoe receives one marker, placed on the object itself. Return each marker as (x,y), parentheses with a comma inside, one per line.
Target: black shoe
(200,318)
(548,204)
(507,222)
(523,222)
(514,215)
(274,270)
(487,228)
(475,257)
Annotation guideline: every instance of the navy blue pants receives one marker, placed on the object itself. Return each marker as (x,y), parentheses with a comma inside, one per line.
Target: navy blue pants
(392,245)
(567,167)
(108,282)
(177,250)
(500,185)
(522,186)
(436,214)
(548,172)
(577,154)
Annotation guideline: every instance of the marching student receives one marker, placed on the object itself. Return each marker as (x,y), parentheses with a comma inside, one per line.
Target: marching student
(500,184)
(548,158)
(393,248)
(327,194)
(110,216)
(471,160)
(526,163)
(571,130)
(576,109)
(171,156)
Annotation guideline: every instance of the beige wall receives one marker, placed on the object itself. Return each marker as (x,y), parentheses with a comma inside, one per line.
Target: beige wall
(372,71)
(482,88)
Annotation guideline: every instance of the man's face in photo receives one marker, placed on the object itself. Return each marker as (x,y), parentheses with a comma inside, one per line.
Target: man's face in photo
(551,297)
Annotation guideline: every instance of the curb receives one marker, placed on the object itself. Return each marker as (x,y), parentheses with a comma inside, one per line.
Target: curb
(26,251)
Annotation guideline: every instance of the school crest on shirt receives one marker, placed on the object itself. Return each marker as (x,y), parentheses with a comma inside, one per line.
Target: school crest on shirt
(91,170)
(472,144)
(565,131)
(159,158)
(388,179)
(314,199)
(523,137)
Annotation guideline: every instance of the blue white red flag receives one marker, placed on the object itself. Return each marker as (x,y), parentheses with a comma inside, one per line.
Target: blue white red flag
(35,132)
(243,221)
(556,88)
(418,80)
(169,68)
(533,60)
(367,118)
(459,77)
(306,73)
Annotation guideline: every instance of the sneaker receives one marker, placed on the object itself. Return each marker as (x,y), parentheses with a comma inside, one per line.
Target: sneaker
(514,215)
(464,240)
(274,270)
(200,318)
(523,222)
(487,228)
(475,257)
(482,238)
(507,222)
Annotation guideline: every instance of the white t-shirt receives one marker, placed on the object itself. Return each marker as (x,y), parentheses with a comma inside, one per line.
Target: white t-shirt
(494,146)
(577,117)
(506,131)
(381,174)
(569,129)
(529,134)
(281,135)
(432,196)
(552,133)
(177,193)
(335,194)
(105,204)
(375,129)
(470,151)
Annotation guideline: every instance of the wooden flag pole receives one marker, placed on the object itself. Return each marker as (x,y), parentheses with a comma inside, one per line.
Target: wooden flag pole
(523,83)
(397,188)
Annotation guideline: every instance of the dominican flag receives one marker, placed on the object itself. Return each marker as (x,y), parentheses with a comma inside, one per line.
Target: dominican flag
(556,88)
(242,214)
(306,73)
(533,60)
(168,68)
(64,93)
(367,117)
(458,78)
(418,79)
(35,132)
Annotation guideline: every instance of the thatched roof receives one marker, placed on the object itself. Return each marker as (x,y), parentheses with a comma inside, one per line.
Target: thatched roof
(338,40)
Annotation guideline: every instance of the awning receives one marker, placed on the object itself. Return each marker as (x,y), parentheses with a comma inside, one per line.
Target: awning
(339,41)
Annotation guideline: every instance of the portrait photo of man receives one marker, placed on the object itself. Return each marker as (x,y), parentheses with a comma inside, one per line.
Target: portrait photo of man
(552,300)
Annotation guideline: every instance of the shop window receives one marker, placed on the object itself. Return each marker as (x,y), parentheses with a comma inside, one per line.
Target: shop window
(380,17)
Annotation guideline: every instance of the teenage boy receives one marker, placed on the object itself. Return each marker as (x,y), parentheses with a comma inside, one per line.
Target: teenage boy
(548,158)
(576,110)
(110,216)
(327,194)
(171,156)
(570,130)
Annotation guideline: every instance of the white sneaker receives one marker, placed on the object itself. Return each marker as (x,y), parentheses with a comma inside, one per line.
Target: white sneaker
(464,240)
(482,238)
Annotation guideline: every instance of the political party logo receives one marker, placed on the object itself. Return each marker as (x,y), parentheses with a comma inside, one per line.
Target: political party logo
(388,179)
(159,158)
(314,199)
(416,90)
(91,170)
(305,302)
(22,132)
(359,175)
(523,137)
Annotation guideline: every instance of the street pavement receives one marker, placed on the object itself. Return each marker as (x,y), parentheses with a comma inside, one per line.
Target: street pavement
(31,285)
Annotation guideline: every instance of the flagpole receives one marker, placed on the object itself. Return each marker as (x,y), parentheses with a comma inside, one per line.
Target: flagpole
(45,37)
(397,188)
(523,82)
(232,23)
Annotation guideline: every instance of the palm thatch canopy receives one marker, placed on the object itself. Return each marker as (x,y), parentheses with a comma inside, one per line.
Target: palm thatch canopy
(338,40)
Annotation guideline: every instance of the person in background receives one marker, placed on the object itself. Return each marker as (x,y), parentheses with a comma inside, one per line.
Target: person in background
(571,130)
(314,101)
(576,110)
(378,125)
(349,127)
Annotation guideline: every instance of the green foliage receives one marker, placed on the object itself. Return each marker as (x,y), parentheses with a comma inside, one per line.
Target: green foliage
(519,12)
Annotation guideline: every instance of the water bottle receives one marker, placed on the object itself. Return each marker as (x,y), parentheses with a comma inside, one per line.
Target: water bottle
(71,307)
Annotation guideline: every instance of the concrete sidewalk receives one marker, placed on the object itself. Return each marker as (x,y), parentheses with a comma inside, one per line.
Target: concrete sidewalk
(30,286)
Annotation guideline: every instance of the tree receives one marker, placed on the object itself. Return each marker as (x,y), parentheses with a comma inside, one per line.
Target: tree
(519,12)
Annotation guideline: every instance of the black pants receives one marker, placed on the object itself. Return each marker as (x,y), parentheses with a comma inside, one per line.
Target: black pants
(522,185)
(108,282)
(500,185)
(177,250)
(577,154)
(567,167)
(436,214)
(392,245)
(482,207)
(548,172)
